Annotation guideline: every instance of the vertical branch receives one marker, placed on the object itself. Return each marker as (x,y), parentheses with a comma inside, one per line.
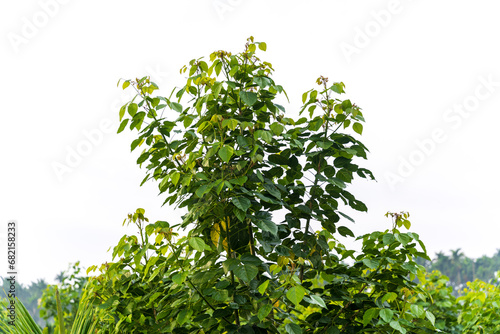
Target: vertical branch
(250,234)
(231,254)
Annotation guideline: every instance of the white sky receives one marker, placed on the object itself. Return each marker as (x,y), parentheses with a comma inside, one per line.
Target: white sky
(421,71)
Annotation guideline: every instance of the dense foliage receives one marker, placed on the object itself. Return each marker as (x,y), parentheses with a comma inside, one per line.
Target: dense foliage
(266,200)
(254,182)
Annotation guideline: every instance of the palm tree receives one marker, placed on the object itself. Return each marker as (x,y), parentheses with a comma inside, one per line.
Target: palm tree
(456,262)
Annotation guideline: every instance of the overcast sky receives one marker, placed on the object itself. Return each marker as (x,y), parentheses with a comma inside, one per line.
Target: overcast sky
(426,74)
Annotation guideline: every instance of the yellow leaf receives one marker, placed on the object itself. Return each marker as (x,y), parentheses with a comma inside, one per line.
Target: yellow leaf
(216,237)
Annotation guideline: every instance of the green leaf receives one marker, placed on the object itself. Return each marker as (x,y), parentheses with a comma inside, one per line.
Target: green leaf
(369,315)
(261,81)
(388,239)
(178,278)
(220,295)
(122,112)
(226,152)
(242,203)
(132,109)
(123,124)
(357,127)
(184,316)
(263,287)
(264,311)
(371,263)
(403,238)
(278,159)
(338,87)
(271,188)
(296,294)
(277,128)
(292,328)
(230,123)
(431,317)
(318,300)
(176,106)
(125,84)
(397,326)
(264,134)
(267,225)
(344,231)
(389,297)
(246,272)
(197,243)
(175,177)
(315,124)
(417,310)
(263,46)
(386,314)
(249,98)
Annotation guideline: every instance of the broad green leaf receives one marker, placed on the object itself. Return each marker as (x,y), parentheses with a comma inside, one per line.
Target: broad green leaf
(226,152)
(125,84)
(184,316)
(242,203)
(178,278)
(230,123)
(397,326)
(123,124)
(369,315)
(344,231)
(249,98)
(263,287)
(220,295)
(386,314)
(296,294)
(338,87)
(264,311)
(315,124)
(403,238)
(175,177)
(264,134)
(263,46)
(371,263)
(176,106)
(246,272)
(132,109)
(271,188)
(388,238)
(197,243)
(261,81)
(292,328)
(417,310)
(389,297)
(239,181)
(431,317)
(277,128)
(357,127)
(318,300)
(267,225)
(278,159)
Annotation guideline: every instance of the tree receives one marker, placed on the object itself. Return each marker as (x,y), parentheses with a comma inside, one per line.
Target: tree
(254,182)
